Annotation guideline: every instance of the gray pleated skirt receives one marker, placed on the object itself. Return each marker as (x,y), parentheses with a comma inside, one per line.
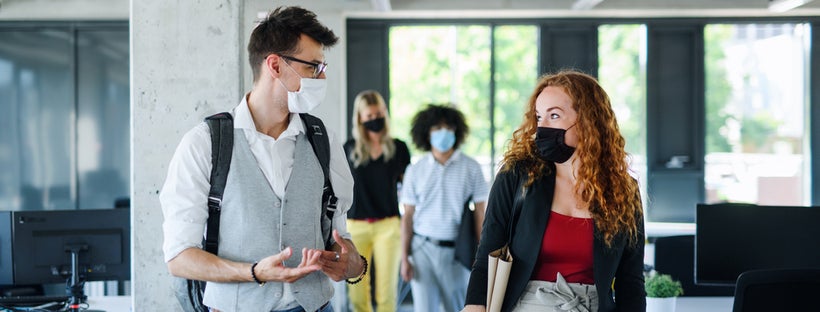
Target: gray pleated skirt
(560,296)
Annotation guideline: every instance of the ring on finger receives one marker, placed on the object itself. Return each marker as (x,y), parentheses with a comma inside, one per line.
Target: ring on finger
(336,259)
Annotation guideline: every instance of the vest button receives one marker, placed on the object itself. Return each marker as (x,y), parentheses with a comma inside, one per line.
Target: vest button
(277,204)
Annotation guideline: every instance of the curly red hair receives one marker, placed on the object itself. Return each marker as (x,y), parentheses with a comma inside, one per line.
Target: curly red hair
(603,180)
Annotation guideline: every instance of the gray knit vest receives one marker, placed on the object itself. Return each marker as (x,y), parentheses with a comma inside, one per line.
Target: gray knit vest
(255,224)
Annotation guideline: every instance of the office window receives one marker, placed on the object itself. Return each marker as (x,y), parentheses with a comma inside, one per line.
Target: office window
(756,108)
(103,118)
(515,76)
(622,73)
(37,98)
(64,91)
(454,64)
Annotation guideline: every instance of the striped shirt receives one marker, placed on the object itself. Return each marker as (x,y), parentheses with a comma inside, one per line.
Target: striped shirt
(439,192)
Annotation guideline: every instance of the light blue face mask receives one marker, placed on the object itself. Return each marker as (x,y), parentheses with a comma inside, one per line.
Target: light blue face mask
(442,139)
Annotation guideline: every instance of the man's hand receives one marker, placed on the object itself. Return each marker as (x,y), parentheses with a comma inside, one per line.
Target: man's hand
(343,262)
(406,269)
(272,269)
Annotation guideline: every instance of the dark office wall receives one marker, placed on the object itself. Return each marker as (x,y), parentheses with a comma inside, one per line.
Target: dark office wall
(675,124)
(367,61)
(569,46)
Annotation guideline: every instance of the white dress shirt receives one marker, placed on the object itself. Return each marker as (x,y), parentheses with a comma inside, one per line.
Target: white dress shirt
(184,196)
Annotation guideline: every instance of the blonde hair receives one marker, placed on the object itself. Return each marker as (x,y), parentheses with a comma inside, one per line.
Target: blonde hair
(603,176)
(361,150)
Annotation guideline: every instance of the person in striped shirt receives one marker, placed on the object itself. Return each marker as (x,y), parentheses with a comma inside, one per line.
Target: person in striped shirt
(435,190)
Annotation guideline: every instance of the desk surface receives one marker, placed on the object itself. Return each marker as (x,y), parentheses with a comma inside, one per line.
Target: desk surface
(704,304)
(658,229)
(110,303)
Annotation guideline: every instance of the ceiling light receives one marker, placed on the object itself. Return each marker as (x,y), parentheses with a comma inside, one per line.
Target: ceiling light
(785,5)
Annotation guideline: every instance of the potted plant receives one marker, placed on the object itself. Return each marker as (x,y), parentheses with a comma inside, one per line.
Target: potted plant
(661,292)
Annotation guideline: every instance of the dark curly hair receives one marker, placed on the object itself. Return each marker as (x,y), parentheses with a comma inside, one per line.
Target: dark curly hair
(434,115)
(279,33)
(603,173)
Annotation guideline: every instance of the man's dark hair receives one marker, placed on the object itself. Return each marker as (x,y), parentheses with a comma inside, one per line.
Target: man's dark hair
(434,115)
(279,34)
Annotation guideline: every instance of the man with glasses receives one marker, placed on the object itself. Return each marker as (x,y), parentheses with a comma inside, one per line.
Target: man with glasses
(272,254)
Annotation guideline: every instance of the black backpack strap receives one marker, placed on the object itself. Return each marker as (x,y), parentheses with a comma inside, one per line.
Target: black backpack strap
(317,135)
(221,126)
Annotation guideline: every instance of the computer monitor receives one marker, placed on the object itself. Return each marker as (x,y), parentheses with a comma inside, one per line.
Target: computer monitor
(733,238)
(36,246)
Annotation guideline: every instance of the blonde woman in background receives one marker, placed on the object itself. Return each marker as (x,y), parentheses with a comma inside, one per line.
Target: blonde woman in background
(377,161)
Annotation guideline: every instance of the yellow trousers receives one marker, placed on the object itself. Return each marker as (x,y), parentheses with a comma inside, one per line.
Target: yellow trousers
(380,243)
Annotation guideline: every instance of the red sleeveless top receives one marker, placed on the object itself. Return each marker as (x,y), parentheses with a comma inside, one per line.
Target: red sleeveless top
(566,248)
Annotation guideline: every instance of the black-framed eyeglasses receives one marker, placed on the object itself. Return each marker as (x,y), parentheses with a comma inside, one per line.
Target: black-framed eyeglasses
(318,68)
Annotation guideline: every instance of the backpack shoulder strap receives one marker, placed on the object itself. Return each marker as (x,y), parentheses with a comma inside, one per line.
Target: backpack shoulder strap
(221,126)
(317,135)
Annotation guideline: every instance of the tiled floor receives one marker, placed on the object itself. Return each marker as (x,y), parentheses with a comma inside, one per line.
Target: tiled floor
(403,292)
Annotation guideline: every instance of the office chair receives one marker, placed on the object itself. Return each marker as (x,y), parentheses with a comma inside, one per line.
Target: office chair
(778,290)
(675,255)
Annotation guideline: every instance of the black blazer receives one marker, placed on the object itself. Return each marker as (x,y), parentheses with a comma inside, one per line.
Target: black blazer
(620,263)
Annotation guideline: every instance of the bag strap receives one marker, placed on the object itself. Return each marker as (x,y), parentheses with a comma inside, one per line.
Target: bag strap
(316,134)
(221,126)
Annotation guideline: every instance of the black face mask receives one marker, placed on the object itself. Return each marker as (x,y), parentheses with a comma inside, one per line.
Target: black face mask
(551,145)
(374,125)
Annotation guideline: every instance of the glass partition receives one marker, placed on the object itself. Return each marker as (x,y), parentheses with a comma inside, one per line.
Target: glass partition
(64,94)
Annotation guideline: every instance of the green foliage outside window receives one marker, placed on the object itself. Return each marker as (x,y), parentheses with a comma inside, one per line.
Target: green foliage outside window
(757,130)
(718,89)
(516,62)
(451,64)
(440,65)
(623,75)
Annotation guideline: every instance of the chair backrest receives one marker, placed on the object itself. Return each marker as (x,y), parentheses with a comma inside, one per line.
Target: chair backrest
(675,255)
(778,290)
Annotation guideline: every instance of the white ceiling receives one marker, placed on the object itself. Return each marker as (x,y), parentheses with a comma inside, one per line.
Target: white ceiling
(564,7)
(119,9)
(603,5)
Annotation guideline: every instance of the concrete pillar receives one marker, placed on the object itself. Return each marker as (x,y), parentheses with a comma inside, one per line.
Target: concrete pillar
(185,65)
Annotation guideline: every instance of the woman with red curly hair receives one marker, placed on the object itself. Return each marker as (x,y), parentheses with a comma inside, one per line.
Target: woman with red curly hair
(565,202)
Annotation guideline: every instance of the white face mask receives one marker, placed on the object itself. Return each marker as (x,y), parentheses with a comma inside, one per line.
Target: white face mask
(309,96)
